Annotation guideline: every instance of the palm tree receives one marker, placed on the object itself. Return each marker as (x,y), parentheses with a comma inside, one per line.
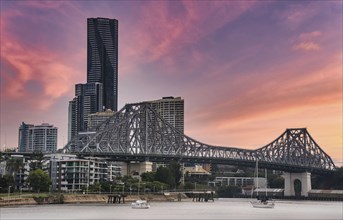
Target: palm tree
(13,165)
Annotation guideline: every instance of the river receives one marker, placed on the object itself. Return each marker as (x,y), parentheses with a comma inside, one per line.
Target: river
(219,209)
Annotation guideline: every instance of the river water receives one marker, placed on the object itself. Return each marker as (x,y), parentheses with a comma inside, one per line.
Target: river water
(219,209)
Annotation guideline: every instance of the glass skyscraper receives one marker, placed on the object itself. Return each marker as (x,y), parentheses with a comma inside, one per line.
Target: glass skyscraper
(101,90)
(102,58)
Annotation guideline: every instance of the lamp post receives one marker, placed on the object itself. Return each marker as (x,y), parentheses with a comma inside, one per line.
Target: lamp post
(123,185)
(8,196)
(111,189)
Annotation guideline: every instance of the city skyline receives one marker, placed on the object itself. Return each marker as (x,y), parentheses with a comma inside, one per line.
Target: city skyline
(247,70)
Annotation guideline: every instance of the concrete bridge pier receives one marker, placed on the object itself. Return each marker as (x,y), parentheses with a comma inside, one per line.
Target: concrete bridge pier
(292,181)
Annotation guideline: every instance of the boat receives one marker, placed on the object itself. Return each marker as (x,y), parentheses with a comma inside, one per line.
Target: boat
(140,204)
(262,202)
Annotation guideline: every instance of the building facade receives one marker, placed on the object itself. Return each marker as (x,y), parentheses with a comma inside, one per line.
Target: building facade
(69,173)
(95,119)
(102,57)
(101,90)
(172,110)
(88,99)
(37,138)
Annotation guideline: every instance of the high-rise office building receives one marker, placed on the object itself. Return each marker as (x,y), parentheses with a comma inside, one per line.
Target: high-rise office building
(102,58)
(172,110)
(101,90)
(88,100)
(37,138)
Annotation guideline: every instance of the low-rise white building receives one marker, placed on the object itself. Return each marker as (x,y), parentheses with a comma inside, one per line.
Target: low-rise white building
(69,173)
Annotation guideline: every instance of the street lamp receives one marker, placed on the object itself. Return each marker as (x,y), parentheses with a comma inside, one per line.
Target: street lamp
(8,196)
(123,185)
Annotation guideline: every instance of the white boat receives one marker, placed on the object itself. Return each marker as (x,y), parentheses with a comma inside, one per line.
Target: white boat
(263,202)
(140,204)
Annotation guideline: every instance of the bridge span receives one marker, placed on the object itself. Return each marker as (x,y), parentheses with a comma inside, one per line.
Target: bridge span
(138,133)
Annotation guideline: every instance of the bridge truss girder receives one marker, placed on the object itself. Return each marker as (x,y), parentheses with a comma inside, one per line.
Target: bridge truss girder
(137,132)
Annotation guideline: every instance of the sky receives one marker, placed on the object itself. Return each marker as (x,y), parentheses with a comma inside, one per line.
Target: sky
(247,70)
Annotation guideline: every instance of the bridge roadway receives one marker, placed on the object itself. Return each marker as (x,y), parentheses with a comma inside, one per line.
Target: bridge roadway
(138,133)
(121,157)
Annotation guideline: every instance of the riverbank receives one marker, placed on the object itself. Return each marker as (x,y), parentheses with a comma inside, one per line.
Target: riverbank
(84,198)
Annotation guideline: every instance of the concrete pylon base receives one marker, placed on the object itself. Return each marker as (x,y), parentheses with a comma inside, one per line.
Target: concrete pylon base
(304,178)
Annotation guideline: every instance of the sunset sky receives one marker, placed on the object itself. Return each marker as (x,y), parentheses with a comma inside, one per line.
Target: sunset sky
(247,70)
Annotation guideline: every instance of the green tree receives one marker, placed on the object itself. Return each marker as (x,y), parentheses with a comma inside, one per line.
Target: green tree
(276,181)
(5,182)
(148,176)
(164,175)
(176,173)
(37,161)
(14,165)
(39,180)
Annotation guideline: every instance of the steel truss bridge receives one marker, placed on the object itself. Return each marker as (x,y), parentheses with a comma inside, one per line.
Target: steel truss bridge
(138,133)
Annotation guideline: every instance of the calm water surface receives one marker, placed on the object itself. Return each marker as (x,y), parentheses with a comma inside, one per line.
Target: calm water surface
(220,209)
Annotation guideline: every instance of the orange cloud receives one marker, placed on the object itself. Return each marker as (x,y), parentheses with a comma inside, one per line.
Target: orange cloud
(306,46)
(257,115)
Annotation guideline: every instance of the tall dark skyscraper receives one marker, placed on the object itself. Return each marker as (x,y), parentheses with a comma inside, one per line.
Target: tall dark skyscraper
(101,90)
(102,58)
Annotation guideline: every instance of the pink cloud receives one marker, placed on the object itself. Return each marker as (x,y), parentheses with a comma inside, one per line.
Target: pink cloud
(160,35)
(27,63)
(306,41)
(307,46)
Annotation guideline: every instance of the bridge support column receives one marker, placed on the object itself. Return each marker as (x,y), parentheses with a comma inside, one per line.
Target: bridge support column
(290,178)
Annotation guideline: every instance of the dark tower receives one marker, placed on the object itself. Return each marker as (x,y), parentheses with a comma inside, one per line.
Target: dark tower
(102,58)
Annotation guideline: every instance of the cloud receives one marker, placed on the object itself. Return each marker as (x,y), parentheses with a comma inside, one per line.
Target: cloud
(161,37)
(296,97)
(307,41)
(32,70)
(307,46)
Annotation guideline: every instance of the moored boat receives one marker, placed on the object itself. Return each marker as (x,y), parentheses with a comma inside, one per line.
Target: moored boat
(140,204)
(262,204)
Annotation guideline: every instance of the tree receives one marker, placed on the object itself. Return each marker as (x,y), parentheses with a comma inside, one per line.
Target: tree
(148,176)
(164,175)
(5,182)
(39,180)
(176,172)
(13,165)
(37,161)
(276,181)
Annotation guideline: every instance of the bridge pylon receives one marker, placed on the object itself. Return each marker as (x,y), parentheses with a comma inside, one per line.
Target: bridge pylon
(297,184)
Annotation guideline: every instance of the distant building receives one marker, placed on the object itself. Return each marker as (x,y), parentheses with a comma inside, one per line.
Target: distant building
(37,138)
(172,110)
(102,58)
(88,99)
(69,173)
(196,170)
(97,118)
(254,182)
(101,90)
